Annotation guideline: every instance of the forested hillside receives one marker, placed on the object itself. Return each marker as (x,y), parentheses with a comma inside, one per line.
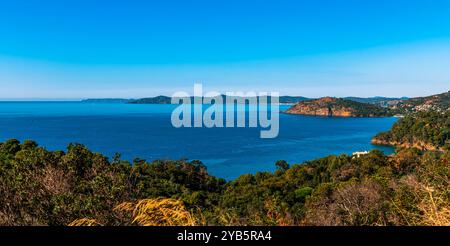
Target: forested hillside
(424,130)
(78,187)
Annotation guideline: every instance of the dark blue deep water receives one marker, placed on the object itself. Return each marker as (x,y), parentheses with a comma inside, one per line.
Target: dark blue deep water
(145,131)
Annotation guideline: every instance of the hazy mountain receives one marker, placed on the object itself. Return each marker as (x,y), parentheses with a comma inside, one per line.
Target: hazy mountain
(380,101)
(167,100)
(107,100)
(153,100)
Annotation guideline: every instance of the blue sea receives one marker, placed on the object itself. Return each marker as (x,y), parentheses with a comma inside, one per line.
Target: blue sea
(145,131)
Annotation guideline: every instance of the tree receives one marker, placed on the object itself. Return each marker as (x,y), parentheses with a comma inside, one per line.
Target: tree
(282,165)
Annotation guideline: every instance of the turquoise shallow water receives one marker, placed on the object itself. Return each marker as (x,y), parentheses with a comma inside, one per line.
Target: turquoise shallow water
(145,131)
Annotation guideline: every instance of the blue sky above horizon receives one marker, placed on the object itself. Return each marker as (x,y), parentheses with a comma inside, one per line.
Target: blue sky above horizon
(83,49)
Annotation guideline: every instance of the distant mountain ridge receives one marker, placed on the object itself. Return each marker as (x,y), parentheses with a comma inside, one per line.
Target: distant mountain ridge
(380,101)
(107,100)
(167,100)
(152,100)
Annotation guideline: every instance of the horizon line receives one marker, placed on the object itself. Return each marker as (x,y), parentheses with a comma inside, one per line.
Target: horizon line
(124,98)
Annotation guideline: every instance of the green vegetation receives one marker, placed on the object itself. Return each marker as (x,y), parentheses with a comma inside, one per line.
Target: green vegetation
(362,109)
(78,187)
(41,187)
(427,130)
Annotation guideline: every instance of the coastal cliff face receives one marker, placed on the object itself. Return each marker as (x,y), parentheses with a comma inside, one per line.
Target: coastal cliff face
(418,144)
(329,106)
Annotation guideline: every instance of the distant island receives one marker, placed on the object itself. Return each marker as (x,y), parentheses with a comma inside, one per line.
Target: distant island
(380,101)
(167,100)
(107,100)
(153,100)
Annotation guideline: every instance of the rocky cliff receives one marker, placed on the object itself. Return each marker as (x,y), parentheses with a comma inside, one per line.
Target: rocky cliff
(418,144)
(329,106)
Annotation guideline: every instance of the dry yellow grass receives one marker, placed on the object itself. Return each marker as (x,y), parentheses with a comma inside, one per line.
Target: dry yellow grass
(435,209)
(152,212)
(158,212)
(85,222)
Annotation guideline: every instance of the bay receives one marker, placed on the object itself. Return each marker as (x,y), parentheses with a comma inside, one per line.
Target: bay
(145,131)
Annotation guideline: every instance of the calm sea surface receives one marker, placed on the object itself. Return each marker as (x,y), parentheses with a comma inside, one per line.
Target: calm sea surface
(145,131)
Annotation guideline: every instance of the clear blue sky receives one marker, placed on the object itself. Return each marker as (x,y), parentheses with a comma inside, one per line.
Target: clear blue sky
(79,49)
